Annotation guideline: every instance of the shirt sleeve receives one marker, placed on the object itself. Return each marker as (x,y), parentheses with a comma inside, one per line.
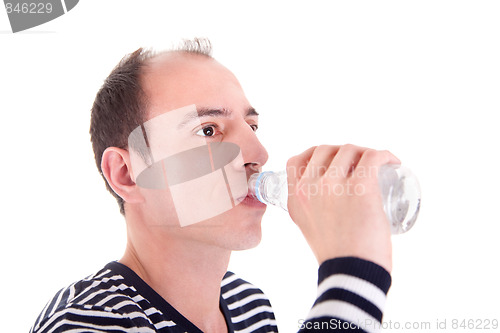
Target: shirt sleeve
(351,297)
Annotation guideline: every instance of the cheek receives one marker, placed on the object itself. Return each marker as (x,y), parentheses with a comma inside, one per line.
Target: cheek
(196,184)
(159,207)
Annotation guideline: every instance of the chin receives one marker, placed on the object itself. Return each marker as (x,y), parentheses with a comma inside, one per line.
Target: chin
(247,227)
(242,231)
(235,230)
(247,240)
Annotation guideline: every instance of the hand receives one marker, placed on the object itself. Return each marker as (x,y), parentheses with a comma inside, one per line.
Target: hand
(335,200)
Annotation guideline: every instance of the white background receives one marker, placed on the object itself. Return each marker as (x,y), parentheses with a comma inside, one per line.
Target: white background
(420,78)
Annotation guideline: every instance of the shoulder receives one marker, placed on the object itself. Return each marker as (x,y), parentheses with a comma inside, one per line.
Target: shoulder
(98,301)
(248,305)
(234,288)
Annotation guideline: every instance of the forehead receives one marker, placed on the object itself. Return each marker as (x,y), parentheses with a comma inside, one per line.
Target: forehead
(174,80)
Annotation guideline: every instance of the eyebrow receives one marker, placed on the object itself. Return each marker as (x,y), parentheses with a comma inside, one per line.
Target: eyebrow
(208,112)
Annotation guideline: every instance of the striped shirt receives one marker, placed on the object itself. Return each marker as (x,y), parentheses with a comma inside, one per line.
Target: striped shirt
(351,294)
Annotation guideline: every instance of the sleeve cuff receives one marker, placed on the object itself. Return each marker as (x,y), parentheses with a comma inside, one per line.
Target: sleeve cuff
(353,290)
(360,268)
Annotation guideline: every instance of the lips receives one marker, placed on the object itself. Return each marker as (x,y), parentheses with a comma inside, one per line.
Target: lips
(251,201)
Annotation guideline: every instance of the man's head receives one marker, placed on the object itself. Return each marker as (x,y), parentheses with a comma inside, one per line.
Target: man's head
(161,84)
(121,104)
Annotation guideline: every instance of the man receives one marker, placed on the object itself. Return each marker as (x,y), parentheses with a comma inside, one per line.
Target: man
(173,276)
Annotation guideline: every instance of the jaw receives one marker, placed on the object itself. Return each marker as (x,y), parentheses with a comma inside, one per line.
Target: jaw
(235,230)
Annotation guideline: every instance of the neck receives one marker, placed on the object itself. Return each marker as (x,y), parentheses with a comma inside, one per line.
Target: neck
(186,273)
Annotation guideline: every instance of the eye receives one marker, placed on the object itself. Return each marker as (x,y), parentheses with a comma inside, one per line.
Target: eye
(207,131)
(254,127)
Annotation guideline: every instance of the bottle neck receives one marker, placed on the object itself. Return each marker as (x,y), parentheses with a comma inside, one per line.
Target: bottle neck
(252,186)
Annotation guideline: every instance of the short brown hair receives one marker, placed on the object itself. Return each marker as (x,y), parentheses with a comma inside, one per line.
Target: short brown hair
(121,103)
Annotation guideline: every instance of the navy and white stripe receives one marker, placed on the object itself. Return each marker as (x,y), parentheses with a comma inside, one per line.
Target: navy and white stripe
(350,290)
(117,300)
(249,308)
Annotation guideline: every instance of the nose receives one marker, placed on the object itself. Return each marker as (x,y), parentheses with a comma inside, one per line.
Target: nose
(253,152)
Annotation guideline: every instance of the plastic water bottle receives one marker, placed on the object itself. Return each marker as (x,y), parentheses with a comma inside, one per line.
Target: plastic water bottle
(399,187)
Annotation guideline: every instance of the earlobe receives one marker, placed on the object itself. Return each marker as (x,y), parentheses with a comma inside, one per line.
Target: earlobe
(116,168)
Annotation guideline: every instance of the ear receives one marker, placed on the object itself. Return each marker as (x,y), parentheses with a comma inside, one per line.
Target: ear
(116,168)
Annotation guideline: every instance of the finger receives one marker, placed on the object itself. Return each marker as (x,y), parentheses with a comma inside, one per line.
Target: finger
(320,161)
(296,165)
(373,159)
(346,160)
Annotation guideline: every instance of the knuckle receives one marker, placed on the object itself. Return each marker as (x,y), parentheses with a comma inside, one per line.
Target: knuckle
(385,152)
(349,147)
(390,155)
(371,153)
(322,148)
(292,161)
(385,156)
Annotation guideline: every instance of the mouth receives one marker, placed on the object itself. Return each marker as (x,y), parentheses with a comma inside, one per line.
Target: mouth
(251,201)
(249,198)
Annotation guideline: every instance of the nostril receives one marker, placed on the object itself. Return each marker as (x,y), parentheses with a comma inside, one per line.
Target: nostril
(252,167)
